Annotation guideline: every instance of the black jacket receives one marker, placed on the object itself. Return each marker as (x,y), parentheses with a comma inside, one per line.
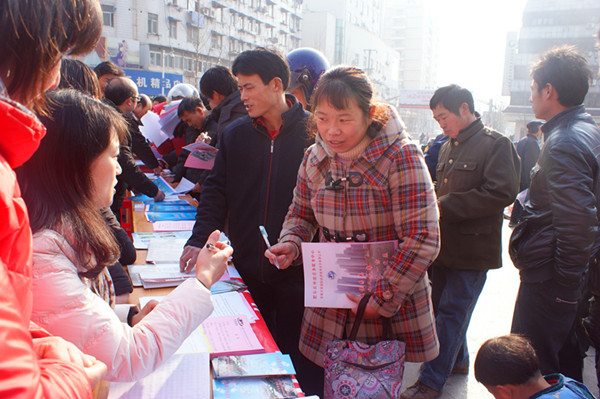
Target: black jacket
(559,231)
(251,184)
(528,149)
(231,109)
(131,176)
(139,144)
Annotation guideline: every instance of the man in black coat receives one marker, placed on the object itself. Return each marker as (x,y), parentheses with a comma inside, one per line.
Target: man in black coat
(122,94)
(528,149)
(558,236)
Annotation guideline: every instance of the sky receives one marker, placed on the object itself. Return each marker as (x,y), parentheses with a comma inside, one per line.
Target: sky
(472,42)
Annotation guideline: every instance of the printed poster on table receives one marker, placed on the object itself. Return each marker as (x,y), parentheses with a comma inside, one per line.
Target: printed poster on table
(332,270)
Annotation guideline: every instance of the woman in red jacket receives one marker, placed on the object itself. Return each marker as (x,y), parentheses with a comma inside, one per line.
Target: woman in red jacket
(35,35)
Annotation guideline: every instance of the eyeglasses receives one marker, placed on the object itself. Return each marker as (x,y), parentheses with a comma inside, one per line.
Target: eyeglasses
(136,98)
(354,179)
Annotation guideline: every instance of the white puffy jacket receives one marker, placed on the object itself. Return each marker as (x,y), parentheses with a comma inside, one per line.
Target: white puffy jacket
(66,307)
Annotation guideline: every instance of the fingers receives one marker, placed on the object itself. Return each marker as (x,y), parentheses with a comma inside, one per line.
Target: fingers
(187,261)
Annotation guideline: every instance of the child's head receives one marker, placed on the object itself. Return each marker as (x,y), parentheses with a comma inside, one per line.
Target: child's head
(509,360)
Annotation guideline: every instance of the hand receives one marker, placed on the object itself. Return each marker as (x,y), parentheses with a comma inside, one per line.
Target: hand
(204,138)
(212,260)
(188,258)
(95,372)
(284,252)
(160,196)
(147,309)
(197,188)
(59,349)
(158,170)
(370,313)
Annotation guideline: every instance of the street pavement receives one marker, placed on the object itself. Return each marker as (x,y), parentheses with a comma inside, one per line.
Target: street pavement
(492,317)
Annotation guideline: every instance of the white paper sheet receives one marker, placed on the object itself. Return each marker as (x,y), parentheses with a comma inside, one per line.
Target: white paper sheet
(180,376)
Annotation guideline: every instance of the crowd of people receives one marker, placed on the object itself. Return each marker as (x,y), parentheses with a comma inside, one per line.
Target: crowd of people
(307,151)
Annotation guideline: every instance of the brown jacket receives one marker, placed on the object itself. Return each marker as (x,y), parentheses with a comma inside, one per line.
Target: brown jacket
(477,177)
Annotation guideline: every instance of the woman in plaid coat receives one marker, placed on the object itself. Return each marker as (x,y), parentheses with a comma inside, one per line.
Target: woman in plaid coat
(387,194)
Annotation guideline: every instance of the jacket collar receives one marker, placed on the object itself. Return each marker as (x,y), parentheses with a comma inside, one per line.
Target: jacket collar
(392,131)
(468,132)
(22,130)
(290,117)
(558,118)
(224,109)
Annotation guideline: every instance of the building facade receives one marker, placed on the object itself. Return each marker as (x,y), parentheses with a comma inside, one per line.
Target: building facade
(549,23)
(166,41)
(351,32)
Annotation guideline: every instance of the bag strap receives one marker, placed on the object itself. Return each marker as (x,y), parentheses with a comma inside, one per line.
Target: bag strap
(360,312)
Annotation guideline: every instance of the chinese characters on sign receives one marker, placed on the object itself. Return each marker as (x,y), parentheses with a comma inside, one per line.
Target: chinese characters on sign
(153,83)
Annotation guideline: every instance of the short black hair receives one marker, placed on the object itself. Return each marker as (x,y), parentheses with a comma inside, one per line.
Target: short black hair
(267,64)
(533,126)
(567,71)
(218,79)
(118,90)
(189,104)
(160,98)
(509,359)
(108,68)
(452,97)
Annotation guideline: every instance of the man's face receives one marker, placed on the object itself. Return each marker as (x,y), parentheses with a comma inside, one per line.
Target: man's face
(538,102)
(450,123)
(132,101)
(258,97)
(194,119)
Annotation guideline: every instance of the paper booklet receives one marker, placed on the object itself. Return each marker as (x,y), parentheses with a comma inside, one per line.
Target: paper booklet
(166,250)
(331,270)
(261,364)
(141,240)
(179,376)
(254,387)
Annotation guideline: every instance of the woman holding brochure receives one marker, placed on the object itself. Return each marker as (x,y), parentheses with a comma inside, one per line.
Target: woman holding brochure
(73,245)
(365,180)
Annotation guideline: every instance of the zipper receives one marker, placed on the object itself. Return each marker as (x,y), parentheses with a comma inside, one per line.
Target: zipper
(262,262)
(559,300)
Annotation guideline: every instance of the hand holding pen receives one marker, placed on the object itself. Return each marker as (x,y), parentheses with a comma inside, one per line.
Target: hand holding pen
(282,254)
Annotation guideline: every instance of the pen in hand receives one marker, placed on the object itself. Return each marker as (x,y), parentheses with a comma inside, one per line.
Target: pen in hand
(265,236)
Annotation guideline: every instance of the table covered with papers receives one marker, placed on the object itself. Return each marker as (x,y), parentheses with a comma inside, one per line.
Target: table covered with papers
(234,329)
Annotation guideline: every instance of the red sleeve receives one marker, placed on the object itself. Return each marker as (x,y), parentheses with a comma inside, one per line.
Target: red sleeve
(21,374)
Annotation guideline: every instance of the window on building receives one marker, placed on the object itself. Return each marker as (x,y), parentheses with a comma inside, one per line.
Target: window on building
(155,58)
(188,64)
(108,15)
(193,34)
(152,24)
(172,28)
(216,40)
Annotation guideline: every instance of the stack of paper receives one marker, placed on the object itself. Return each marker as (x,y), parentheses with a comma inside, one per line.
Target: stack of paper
(141,240)
(165,250)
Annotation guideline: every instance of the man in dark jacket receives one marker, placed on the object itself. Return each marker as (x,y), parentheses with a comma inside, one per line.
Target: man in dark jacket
(477,177)
(528,149)
(220,87)
(251,184)
(122,94)
(558,236)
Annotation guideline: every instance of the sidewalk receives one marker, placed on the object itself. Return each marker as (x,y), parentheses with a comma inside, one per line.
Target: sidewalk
(492,317)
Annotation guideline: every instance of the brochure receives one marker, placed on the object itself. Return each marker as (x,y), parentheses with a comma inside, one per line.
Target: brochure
(333,269)
(261,364)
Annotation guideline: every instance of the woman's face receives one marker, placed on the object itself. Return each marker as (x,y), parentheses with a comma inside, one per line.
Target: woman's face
(343,129)
(104,171)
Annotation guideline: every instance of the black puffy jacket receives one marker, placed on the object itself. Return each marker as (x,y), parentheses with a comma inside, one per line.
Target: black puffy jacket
(559,232)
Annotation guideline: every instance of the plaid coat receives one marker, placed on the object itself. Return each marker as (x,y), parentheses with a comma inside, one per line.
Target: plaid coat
(396,201)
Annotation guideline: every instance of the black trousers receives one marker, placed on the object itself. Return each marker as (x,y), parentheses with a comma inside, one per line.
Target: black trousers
(547,314)
(281,303)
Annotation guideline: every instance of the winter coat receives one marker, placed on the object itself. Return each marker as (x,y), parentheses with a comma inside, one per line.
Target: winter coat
(528,149)
(65,306)
(559,231)
(22,374)
(396,201)
(477,177)
(251,184)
